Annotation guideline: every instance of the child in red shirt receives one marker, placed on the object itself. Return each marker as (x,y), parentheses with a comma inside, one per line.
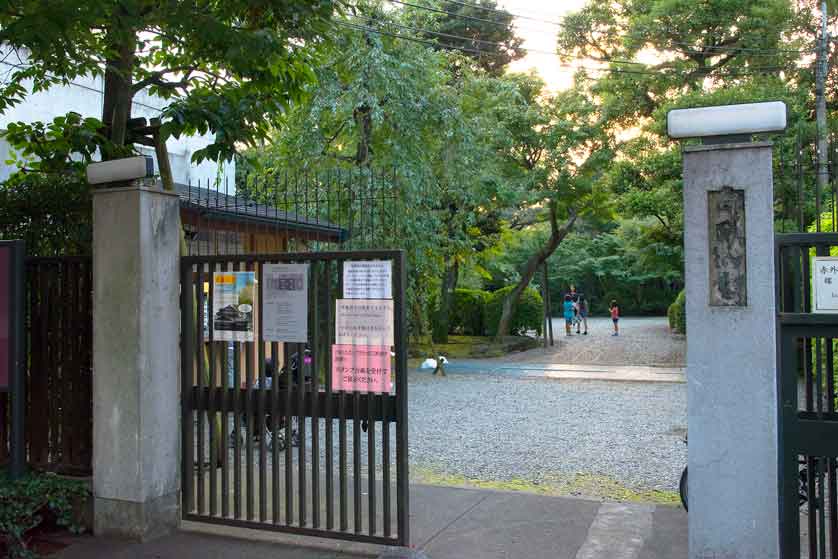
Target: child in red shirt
(615,316)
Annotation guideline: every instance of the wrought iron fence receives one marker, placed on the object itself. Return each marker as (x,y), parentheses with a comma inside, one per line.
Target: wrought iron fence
(801,203)
(292,212)
(300,456)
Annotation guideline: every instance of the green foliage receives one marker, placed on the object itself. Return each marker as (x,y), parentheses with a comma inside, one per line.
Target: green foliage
(46,202)
(528,314)
(468,312)
(230,68)
(677,313)
(489,33)
(24,502)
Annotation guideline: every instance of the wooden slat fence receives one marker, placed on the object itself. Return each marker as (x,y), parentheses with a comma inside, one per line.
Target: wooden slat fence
(59,343)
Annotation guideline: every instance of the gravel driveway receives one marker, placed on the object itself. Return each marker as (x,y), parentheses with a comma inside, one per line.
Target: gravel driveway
(504,427)
(642,341)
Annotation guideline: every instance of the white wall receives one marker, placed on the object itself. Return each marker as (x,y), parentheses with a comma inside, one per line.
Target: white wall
(85,97)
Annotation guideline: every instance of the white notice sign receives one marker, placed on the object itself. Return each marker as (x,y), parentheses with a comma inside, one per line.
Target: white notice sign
(366,322)
(285,303)
(825,283)
(368,279)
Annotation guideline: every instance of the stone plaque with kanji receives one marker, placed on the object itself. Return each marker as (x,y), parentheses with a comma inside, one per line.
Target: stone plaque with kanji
(726,238)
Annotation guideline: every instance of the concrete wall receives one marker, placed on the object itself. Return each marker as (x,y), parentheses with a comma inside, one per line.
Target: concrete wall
(84,96)
(731,366)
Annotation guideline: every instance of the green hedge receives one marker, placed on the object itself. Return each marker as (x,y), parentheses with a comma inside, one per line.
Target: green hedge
(529,313)
(468,312)
(677,313)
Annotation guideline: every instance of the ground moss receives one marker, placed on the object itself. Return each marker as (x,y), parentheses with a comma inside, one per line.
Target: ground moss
(589,486)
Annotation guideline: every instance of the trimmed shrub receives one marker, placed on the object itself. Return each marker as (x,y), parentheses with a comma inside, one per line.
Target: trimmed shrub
(528,315)
(677,313)
(468,312)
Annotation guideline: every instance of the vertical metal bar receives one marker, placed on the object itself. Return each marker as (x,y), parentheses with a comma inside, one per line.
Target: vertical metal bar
(261,424)
(289,479)
(225,420)
(187,366)
(237,423)
(213,392)
(301,429)
(372,407)
(821,502)
(356,458)
(342,450)
(402,468)
(800,200)
(276,435)
(831,462)
(385,462)
(199,356)
(315,395)
(327,309)
(789,471)
(250,412)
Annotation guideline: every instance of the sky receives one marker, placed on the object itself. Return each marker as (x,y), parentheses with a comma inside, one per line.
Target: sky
(541,35)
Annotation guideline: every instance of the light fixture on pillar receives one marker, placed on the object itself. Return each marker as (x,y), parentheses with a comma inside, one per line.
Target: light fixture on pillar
(120,170)
(726,124)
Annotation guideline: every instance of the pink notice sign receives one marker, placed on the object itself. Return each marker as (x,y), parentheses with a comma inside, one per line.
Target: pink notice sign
(361,368)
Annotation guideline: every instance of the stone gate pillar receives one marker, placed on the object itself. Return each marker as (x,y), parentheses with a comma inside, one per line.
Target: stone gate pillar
(136,390)
(731,351)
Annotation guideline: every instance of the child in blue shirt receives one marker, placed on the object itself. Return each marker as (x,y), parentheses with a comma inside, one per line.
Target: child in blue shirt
(568,313)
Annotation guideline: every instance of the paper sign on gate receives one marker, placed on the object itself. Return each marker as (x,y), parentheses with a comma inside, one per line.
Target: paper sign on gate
(825,283)
(368,279)
(361,368)
(285,303)
(232,306)
(366,322)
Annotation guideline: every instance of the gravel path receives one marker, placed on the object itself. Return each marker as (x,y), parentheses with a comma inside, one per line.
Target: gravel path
(502,428)
(642,341)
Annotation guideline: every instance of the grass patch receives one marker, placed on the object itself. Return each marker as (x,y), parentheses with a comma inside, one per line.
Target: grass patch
(471,347)
(590,486)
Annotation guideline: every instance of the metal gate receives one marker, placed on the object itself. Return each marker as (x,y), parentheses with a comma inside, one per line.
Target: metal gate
(297,456)
(808,423)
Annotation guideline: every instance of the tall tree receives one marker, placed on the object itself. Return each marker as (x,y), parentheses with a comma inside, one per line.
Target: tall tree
(227,67)
(482,31)
(558,143)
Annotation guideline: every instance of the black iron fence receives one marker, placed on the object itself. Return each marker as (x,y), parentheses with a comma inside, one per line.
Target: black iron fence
(269,441)
(807,394)
(294,212)
(802,203)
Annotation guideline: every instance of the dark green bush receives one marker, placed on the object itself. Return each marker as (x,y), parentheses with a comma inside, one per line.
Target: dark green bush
(24,502)
(677,313)
(528,315)
(468,312)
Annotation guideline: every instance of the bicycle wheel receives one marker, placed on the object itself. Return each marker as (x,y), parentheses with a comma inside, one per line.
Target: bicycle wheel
(682,489)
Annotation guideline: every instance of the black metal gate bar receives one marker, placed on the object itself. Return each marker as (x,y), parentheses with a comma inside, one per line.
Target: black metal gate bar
(304,410)
(808,423)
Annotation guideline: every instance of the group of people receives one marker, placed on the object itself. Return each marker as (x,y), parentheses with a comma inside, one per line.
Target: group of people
(575,309)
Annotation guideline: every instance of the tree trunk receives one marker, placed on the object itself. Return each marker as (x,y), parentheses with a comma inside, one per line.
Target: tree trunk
(557,235)
(446,298)
(118,93)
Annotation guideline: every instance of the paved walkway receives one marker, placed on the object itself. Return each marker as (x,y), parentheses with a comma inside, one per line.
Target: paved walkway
(448,523)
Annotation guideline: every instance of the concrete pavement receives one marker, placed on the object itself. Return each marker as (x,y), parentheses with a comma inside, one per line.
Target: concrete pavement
(448,523)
